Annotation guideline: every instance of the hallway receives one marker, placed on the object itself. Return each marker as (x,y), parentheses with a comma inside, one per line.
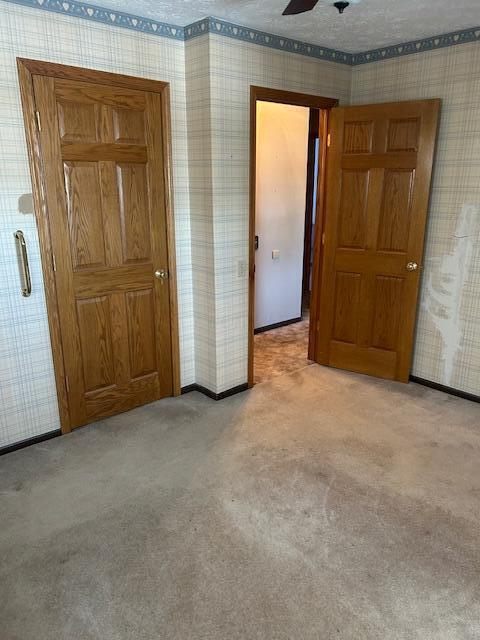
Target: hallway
(281,350)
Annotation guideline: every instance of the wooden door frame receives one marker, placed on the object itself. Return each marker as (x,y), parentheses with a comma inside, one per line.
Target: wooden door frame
(26,70)
(266,94)
(313,135)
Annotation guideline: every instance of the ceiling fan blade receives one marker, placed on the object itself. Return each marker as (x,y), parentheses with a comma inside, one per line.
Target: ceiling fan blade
(299,6)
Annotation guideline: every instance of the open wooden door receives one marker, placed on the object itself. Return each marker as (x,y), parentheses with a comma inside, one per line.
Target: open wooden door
(378,181)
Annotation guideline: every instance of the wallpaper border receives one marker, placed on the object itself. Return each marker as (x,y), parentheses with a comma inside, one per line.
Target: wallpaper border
(76,9)
(417,46)
(254,36)
(213,25)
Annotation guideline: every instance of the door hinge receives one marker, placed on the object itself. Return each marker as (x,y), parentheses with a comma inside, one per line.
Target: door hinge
(66,384)
(39,122)
(323,238)
(329,139)
(54,262)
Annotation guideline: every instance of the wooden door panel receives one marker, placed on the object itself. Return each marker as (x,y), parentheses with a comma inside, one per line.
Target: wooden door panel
(358,137)
(94,323)
(98,94)
(397,160)
(379,169)
(104,281)
(128,126)
(388,294)
(103,152)
(403,134)
(363,359)
(396,210)
(77,122)
(141,332)
(352,218)
(111,400)
(84,210)
(132,184)
(119,329)
(387,263)
(347,302)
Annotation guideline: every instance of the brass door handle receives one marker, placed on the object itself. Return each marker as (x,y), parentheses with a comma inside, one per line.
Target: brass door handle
(23,263)
(411,266)
(161,274)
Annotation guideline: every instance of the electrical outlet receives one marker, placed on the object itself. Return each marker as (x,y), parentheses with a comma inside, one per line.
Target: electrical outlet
(276,254)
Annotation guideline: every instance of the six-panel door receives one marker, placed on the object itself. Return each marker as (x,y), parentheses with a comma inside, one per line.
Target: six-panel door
(102,150)
(378,178)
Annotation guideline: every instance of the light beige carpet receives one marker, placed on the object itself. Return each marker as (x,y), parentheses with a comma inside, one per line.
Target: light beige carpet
(281,350)
(321,505)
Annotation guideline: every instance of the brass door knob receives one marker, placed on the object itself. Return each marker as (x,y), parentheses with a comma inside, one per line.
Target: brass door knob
(411,266)
(161,274)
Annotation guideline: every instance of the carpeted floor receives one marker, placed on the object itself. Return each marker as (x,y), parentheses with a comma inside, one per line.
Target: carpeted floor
(281,350)
(320,505)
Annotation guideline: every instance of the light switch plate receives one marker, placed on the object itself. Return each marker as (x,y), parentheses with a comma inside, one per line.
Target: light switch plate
(276,254)
(241,268)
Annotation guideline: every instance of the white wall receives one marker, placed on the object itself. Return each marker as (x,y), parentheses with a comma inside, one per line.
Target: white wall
(282,147)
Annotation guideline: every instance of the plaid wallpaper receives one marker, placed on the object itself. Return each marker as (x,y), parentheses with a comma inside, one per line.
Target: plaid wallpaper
(447,345)
(27,389)
(197,71)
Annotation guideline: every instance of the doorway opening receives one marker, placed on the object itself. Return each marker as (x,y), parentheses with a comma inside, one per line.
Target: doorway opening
(288,154)
(370,218)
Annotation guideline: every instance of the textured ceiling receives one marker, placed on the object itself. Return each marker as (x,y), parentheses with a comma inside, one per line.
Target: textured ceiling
(367,25)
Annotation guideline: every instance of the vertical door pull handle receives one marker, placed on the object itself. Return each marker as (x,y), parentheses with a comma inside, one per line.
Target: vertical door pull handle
(23,263)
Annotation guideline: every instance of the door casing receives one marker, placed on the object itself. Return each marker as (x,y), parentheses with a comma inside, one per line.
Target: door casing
(302,100)
(26,70)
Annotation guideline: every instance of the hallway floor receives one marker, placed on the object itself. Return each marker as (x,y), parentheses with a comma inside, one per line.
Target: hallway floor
(281,350)
(320,504)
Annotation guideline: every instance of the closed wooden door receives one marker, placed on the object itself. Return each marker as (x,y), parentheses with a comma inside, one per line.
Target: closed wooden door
(378,180)
(102,153)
